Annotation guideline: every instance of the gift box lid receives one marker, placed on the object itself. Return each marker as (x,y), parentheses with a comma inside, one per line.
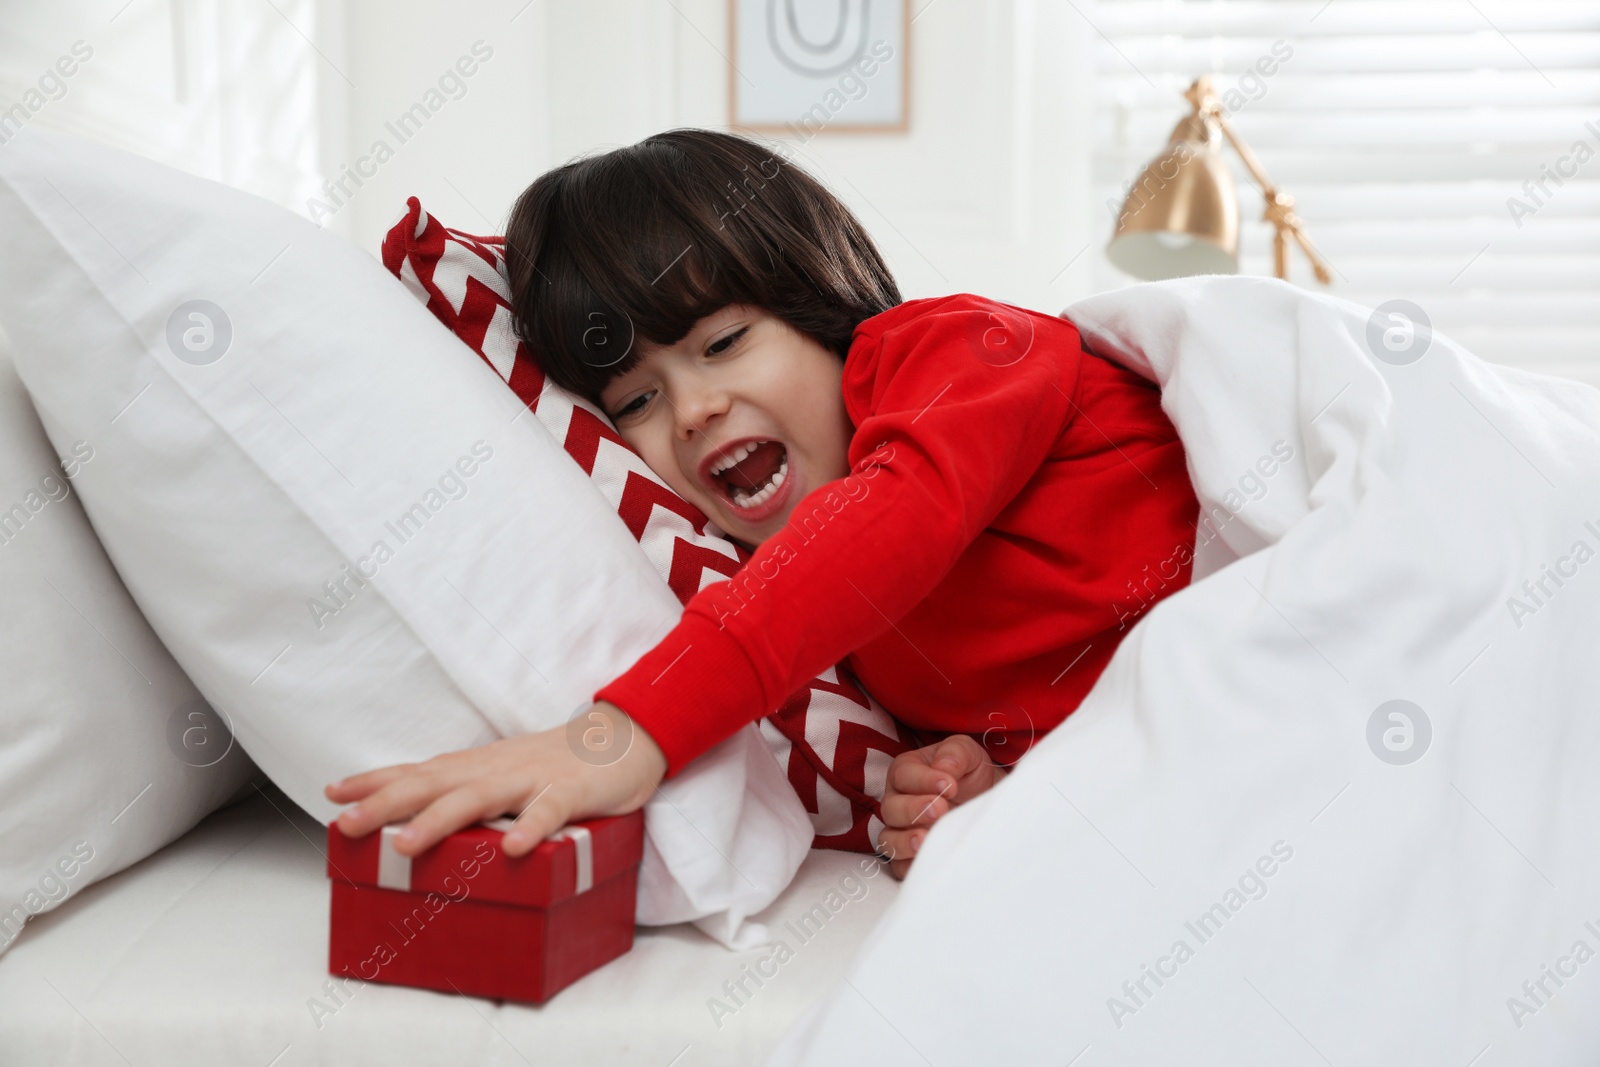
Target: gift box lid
(471,862)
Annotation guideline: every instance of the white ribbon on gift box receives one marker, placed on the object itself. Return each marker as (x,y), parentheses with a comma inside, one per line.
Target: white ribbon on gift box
(583,841)
(394,870)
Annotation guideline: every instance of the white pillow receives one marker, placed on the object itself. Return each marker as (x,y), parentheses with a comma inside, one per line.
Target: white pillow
(269,407)
(107,752)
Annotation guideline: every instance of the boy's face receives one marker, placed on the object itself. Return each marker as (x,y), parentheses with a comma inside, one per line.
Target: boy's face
(742,417)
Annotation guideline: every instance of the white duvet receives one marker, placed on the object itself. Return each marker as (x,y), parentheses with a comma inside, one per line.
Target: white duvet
(1337,802)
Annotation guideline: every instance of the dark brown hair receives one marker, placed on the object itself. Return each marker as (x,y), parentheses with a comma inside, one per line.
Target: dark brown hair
(642,242)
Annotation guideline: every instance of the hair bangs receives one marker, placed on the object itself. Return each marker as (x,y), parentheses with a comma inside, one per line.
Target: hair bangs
(640,243)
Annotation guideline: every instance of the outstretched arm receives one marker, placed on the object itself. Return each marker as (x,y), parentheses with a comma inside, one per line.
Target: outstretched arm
(955,411)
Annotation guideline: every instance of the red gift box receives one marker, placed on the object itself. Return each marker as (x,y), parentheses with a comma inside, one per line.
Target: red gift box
(463,917)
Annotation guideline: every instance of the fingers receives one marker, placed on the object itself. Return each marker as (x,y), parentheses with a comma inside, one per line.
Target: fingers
(910,773)
(454,810)
(939,769)
(406,791)
(900,848)
(900,844)
(546,813)
(395,801)
(958,755)
(904,810)
(359,786)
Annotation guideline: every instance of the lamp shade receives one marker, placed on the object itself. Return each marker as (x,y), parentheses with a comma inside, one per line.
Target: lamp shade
(1182,215)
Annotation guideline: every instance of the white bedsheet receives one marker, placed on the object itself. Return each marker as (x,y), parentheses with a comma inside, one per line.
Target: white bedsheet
(212,952)
(1362,910)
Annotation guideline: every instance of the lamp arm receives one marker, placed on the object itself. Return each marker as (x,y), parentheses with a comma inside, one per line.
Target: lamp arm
(1251,163)
(1281,215)
(1319,266)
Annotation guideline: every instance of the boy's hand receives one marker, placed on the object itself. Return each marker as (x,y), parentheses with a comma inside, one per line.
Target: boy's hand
(539,778)
(925,784)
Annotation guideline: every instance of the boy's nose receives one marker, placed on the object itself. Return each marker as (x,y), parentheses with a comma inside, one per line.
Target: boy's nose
(697,408)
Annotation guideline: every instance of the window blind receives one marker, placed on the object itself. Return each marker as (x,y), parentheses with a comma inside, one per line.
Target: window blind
(228,91)
(1443,152)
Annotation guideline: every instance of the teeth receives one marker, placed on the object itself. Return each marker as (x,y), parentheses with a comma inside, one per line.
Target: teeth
(765,493)
(733,457)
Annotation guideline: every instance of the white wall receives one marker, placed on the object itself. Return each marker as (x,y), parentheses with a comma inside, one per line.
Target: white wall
(477,152)
(987,192)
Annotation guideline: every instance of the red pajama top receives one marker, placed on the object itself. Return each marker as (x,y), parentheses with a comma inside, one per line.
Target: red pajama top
(1014,503)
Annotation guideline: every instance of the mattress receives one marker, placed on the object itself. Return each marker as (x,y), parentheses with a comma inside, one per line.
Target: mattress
(214,951)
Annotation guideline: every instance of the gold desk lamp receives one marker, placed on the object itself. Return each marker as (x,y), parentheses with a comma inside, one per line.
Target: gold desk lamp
(1182,216)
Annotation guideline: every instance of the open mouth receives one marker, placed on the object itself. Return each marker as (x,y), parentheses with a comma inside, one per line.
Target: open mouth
(751,474)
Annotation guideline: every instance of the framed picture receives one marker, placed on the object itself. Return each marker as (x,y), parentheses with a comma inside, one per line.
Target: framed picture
(804,67)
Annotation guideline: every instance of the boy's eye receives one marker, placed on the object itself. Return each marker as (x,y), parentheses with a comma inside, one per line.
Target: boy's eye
(632,406)
(721,345)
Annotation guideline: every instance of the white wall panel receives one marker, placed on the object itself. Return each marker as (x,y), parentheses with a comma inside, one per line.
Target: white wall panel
(987,191)
(472,155)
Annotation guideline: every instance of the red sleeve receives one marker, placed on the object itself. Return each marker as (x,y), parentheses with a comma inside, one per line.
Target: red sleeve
(956,404)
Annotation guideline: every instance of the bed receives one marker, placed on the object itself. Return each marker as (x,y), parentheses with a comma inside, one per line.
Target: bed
(214,950)
(1382,675)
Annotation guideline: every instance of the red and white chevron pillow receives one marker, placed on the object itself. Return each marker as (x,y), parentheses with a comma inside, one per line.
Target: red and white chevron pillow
(833,740)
